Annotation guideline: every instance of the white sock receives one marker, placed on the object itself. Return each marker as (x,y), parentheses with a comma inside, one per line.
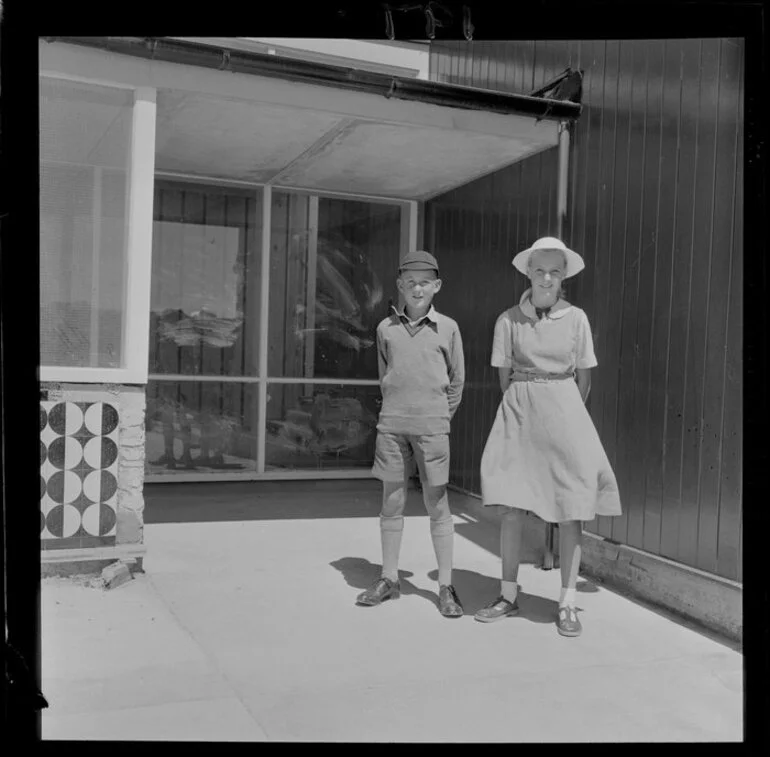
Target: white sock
(567,598)
(509,590)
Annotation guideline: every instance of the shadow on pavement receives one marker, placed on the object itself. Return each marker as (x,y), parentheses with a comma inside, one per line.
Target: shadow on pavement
(361,574)
(476,590)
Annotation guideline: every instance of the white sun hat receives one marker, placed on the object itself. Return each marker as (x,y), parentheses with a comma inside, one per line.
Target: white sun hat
(575,263)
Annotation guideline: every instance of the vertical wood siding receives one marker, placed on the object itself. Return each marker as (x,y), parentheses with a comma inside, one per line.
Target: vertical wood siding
(655,207)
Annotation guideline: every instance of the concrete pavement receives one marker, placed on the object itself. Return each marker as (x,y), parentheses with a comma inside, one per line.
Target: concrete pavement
(244,628)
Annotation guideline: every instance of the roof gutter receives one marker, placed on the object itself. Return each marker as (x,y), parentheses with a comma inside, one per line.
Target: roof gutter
(341,77)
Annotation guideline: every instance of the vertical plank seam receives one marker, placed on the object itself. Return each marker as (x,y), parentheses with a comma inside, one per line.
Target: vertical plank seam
(623,287)
(610,256)
(604,524)
(655,294)
(468,71)
(689,302)
(640,253)
(477,238)
(701,435)
(509,67)
(586,163)
(671,295)
(599,162)
(539,192)
(727,322)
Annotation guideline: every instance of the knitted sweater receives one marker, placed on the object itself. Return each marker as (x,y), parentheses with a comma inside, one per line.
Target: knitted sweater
(422,372)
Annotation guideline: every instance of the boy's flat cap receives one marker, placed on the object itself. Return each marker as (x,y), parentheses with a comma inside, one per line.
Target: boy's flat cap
(419,260)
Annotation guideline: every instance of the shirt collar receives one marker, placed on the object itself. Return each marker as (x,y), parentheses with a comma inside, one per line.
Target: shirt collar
(557,311)
(431,315)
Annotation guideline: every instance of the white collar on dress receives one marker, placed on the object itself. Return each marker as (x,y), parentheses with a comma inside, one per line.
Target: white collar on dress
(557,310)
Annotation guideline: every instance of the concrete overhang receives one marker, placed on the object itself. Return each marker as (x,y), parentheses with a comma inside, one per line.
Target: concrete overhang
(307,126)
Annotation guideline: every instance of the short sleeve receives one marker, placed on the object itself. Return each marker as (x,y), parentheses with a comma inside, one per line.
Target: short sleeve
(584,344)
(502,349)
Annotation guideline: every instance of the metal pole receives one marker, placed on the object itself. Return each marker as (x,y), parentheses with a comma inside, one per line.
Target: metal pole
(264,314)
(561,200)
(310,292)
(561,213)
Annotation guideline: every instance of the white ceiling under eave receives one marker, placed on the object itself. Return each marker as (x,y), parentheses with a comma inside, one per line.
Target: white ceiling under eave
(265,129)
(207,136)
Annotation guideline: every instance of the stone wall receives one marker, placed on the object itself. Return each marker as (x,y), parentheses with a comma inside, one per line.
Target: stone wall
(128,501)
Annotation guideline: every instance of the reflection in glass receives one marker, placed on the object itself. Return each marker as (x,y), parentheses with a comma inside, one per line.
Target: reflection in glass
(311,426)
(205,281)
(330,285)
(201,426)
(85,143)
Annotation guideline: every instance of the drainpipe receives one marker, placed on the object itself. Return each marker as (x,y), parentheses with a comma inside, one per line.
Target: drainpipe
(561,199)
(561,214)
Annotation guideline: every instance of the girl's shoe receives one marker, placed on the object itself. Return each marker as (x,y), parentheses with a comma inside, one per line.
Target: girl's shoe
(382,589)
(567,623)
(499,608)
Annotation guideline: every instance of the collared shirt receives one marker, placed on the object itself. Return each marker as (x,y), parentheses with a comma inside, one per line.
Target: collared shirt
(414,326)
(558,343)
(422,372)
(555,311)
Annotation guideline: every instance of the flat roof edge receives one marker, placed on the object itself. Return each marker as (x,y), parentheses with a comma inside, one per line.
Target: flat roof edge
(292,69)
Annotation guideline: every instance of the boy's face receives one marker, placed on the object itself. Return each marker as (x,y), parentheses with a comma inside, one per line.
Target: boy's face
(418,288)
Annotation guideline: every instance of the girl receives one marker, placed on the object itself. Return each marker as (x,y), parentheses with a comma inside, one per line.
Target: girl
(543,453)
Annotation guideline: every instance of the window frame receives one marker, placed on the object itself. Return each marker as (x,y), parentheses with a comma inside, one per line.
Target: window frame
(137,262)
(410,236)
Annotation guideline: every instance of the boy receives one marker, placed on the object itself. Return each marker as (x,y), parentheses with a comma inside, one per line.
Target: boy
(422,372)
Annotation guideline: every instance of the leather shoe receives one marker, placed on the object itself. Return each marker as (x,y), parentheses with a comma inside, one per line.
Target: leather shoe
(567,623)
(382,589)
(449,603)
(498,608)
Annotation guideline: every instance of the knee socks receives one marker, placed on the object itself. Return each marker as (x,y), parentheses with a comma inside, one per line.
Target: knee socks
(391,530)
(442,535)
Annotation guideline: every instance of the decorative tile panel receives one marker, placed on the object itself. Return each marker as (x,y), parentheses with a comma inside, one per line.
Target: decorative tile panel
(78,474)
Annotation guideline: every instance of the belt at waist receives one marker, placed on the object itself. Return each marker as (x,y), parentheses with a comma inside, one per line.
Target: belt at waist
(527,376)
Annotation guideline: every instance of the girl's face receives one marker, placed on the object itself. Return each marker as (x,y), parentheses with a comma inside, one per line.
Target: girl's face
(546,272)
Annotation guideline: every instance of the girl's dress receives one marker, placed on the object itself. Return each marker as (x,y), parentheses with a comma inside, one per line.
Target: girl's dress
(543,453)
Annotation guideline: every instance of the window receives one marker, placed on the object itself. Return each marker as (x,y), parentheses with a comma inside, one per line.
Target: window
(91,243)
(332,278)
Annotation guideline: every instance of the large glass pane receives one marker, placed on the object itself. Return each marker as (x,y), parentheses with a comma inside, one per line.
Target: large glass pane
(320,426)
(201,426)
(85,141)
(205,281)
(330,284)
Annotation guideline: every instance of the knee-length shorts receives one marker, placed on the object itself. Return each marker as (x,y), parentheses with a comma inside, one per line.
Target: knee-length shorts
(396,454)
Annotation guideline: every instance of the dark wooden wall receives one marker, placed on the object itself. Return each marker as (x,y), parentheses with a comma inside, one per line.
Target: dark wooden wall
(656,208)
